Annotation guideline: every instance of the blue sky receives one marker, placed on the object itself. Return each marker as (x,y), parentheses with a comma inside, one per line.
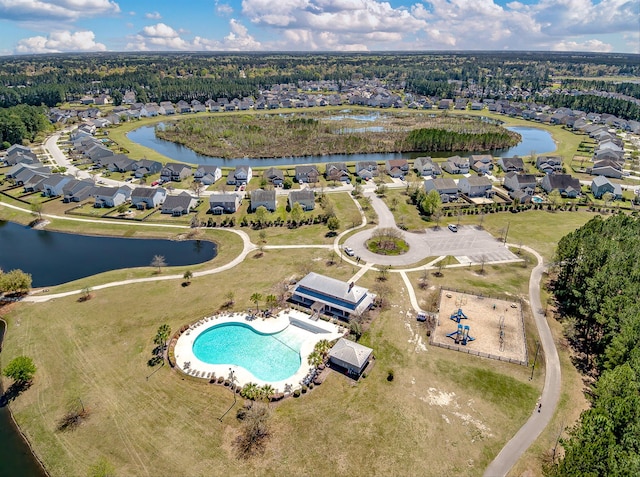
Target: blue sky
(43,26)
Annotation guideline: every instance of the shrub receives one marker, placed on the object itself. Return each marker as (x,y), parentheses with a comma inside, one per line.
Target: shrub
(296,393)
(390,375)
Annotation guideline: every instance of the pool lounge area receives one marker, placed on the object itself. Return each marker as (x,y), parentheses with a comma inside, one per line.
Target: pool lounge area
(248,344)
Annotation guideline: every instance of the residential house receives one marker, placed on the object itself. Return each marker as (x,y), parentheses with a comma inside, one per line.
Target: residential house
(174,171)
(337,171)
(77,190)
(20,154)
(445,103)
(520,182)
(567,186)
(601,185)
(146,167)
(304,197)
(397,168)
(607,168)
(549,164)
(351,356)
(240,176)
(367,169)
(97,153)
(456,165)
(148,197)
(612,155)
(274,176)
(53,185)
(207,174)
(332,297)
(481,163)
(110,196)
(475,186)
(119,163)
(30,181)
(426,167)
(511,164)
(183,107)
(307,174)
(447,188)
(264,198)
(178,205)
(166,107)
(224,203)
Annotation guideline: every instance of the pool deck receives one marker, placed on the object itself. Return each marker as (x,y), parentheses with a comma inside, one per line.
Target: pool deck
(187,362)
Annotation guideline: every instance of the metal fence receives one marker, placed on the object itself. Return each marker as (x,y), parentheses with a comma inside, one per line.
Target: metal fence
(477,353)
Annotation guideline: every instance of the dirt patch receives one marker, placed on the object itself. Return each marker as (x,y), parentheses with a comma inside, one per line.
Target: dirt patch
(496,326)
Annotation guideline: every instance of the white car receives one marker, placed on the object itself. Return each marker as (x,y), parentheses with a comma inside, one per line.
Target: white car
(453,228)
(349,251)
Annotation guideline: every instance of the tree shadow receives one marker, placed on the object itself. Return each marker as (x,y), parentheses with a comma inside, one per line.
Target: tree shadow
(13,392)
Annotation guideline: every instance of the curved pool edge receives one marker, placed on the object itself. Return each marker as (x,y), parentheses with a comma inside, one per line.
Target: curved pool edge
(183,350)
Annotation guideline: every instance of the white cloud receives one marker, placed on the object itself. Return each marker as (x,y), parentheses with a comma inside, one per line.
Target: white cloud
(60,41)
(441,24)
(588,45)
(55,10)
(163,37)
(223,9)
(153,16)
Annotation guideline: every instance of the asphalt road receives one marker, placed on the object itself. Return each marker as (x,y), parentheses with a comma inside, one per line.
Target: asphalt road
(528,433)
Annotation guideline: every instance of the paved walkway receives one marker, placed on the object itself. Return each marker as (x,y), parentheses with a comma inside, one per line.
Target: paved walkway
(528,433)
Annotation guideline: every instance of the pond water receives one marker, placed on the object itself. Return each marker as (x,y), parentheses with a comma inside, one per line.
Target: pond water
(533,139)
(16,457)
(54,257)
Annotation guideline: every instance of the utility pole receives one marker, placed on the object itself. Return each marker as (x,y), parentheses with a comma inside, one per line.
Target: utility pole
(506,233)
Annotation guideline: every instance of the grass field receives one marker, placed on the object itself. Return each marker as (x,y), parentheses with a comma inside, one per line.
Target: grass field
(451,408)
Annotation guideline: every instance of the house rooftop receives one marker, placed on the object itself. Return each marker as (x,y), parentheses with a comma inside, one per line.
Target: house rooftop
(350,352)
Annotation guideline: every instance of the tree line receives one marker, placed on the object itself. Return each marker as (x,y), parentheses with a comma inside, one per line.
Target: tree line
(432,139)
(20,123)
(597,288)
(592,103)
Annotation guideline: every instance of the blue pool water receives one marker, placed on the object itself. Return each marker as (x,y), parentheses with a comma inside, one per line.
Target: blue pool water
(536,199)
(269,357)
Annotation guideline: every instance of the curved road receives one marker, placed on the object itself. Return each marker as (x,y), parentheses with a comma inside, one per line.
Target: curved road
(530,431)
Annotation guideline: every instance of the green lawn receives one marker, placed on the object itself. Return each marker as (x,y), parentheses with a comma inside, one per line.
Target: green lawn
(456,409)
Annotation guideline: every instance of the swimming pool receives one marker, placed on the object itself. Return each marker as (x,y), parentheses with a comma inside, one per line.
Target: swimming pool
(269,357)
(537,200)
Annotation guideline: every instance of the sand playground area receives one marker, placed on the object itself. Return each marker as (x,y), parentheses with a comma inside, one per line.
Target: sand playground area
(496,326)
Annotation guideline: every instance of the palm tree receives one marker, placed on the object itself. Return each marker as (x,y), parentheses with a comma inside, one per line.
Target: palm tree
(322,347)
(271,301)
(315,358)
(256,298)
(250,391)
(267,391)
(188,275)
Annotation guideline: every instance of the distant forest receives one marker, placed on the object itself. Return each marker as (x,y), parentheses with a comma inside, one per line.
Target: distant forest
(53,79)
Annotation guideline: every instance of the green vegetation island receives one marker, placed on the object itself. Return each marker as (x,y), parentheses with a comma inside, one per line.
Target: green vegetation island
(306,134)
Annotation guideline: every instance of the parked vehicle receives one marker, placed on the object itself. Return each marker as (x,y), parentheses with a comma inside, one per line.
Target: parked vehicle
(349,251)
(453,228)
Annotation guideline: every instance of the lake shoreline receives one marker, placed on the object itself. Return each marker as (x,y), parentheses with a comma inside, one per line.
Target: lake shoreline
(12,440)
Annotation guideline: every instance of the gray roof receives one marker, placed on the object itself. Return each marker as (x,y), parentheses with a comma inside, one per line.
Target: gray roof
(180,201)
(223,198)
(298,195)
(260,195)
(350,352)
(332,287)
(144,192)
(478,181)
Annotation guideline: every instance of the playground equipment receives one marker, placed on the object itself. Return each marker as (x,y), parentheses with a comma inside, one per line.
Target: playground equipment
(461,335)
(458,315)
(501,336)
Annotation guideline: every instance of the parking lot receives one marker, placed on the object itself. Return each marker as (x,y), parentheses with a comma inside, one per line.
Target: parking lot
(467,245)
